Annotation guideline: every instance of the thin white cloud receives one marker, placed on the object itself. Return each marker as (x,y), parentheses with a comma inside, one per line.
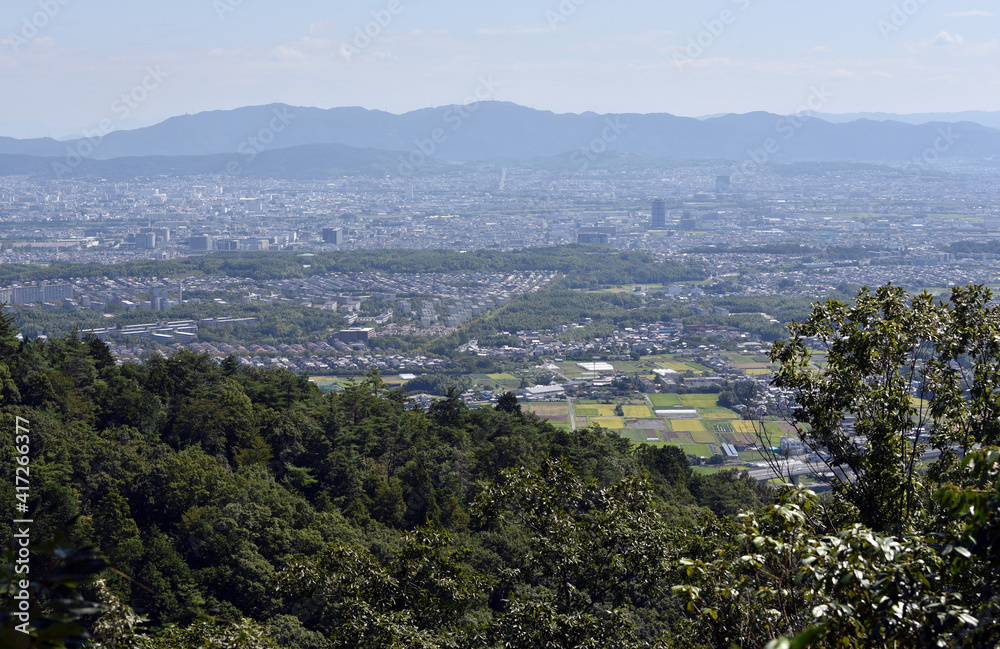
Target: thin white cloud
(820,48)
(972,13)
(954,44)
(285,53)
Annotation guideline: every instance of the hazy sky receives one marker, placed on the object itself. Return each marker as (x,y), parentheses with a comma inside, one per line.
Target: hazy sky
(65,64)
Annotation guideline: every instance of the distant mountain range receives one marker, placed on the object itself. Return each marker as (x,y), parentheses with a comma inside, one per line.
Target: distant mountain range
(983,118)
(312,142)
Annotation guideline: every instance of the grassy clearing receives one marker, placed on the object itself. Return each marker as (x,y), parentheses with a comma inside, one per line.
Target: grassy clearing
(666,400)
(700,450)
(640,436)
(704,437)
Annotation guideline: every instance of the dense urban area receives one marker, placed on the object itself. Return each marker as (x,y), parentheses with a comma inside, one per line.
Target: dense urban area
(648,357)
(385,363)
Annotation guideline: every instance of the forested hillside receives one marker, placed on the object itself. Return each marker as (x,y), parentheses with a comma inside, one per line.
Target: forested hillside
(204,484)
(589,265)
(238,507)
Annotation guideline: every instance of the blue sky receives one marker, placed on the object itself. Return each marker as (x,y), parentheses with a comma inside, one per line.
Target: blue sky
(65,63)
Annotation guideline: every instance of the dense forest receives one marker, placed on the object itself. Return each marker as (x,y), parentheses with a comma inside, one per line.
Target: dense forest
(589,265)
(187,503)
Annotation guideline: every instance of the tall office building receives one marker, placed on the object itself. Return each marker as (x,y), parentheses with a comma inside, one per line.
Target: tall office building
(145,240)
(592,237)
(201,242)
(333,235)
(659,219)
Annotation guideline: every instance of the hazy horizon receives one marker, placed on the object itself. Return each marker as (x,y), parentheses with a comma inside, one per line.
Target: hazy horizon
(73,67)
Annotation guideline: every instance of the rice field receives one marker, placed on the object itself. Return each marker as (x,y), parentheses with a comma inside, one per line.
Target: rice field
(756,372)
(636,411)
(750,427)
(686,425)
(595,410)
(716,412)
(502,377)
(613,423)
(697,400)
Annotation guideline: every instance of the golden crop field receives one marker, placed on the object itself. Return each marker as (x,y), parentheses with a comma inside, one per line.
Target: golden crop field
(720,415)
(686,425)
(612,423)
(746,426)
(636,411)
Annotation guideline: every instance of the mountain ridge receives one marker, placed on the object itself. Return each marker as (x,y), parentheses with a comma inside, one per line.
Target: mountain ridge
(502,130)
